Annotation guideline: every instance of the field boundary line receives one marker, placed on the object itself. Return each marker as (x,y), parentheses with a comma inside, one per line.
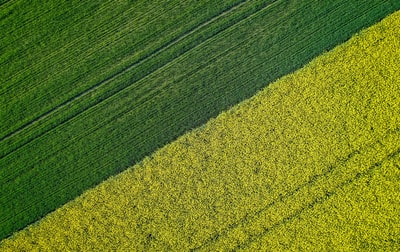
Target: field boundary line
(254,216)
(148,95)
(145,98)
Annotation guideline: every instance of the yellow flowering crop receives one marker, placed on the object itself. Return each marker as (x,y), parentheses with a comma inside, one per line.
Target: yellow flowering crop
(310,163)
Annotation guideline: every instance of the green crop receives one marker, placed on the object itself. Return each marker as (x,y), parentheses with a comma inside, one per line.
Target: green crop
(309,163)
(88,89)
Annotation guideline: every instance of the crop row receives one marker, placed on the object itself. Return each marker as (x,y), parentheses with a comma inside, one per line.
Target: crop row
(260,175)
(113,84)
(73,48)
(255,230)
(227,66)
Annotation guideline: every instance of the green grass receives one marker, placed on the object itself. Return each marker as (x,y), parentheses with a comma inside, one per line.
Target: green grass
(77,109)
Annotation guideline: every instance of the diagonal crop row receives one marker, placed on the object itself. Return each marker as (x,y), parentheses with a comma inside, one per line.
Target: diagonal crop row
(179,96)
(141,97)
(150,92)
(76,48)
(81,107)
(17,171)
(317,190)
(320,199)
(103,90)
(234,178)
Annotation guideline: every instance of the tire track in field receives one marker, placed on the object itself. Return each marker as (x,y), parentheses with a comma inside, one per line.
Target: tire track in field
(120,72)
(249,218)
(229,49)
(143,100)
(112,77)
(236,23)
(319,200)
(153,92)
(135,64)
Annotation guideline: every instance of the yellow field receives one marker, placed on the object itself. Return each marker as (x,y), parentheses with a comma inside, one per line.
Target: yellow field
(312,162)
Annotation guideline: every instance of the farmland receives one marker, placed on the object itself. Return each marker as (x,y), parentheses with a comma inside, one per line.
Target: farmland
(311,162)
(77,109)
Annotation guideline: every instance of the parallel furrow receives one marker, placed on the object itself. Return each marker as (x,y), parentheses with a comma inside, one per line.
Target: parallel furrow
(113,77)
(315,181)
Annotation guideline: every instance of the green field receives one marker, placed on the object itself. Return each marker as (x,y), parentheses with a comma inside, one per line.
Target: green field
(88,89)
(309,163)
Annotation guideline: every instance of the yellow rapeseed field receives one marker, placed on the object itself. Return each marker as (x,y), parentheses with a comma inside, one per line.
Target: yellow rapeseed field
(311,163)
